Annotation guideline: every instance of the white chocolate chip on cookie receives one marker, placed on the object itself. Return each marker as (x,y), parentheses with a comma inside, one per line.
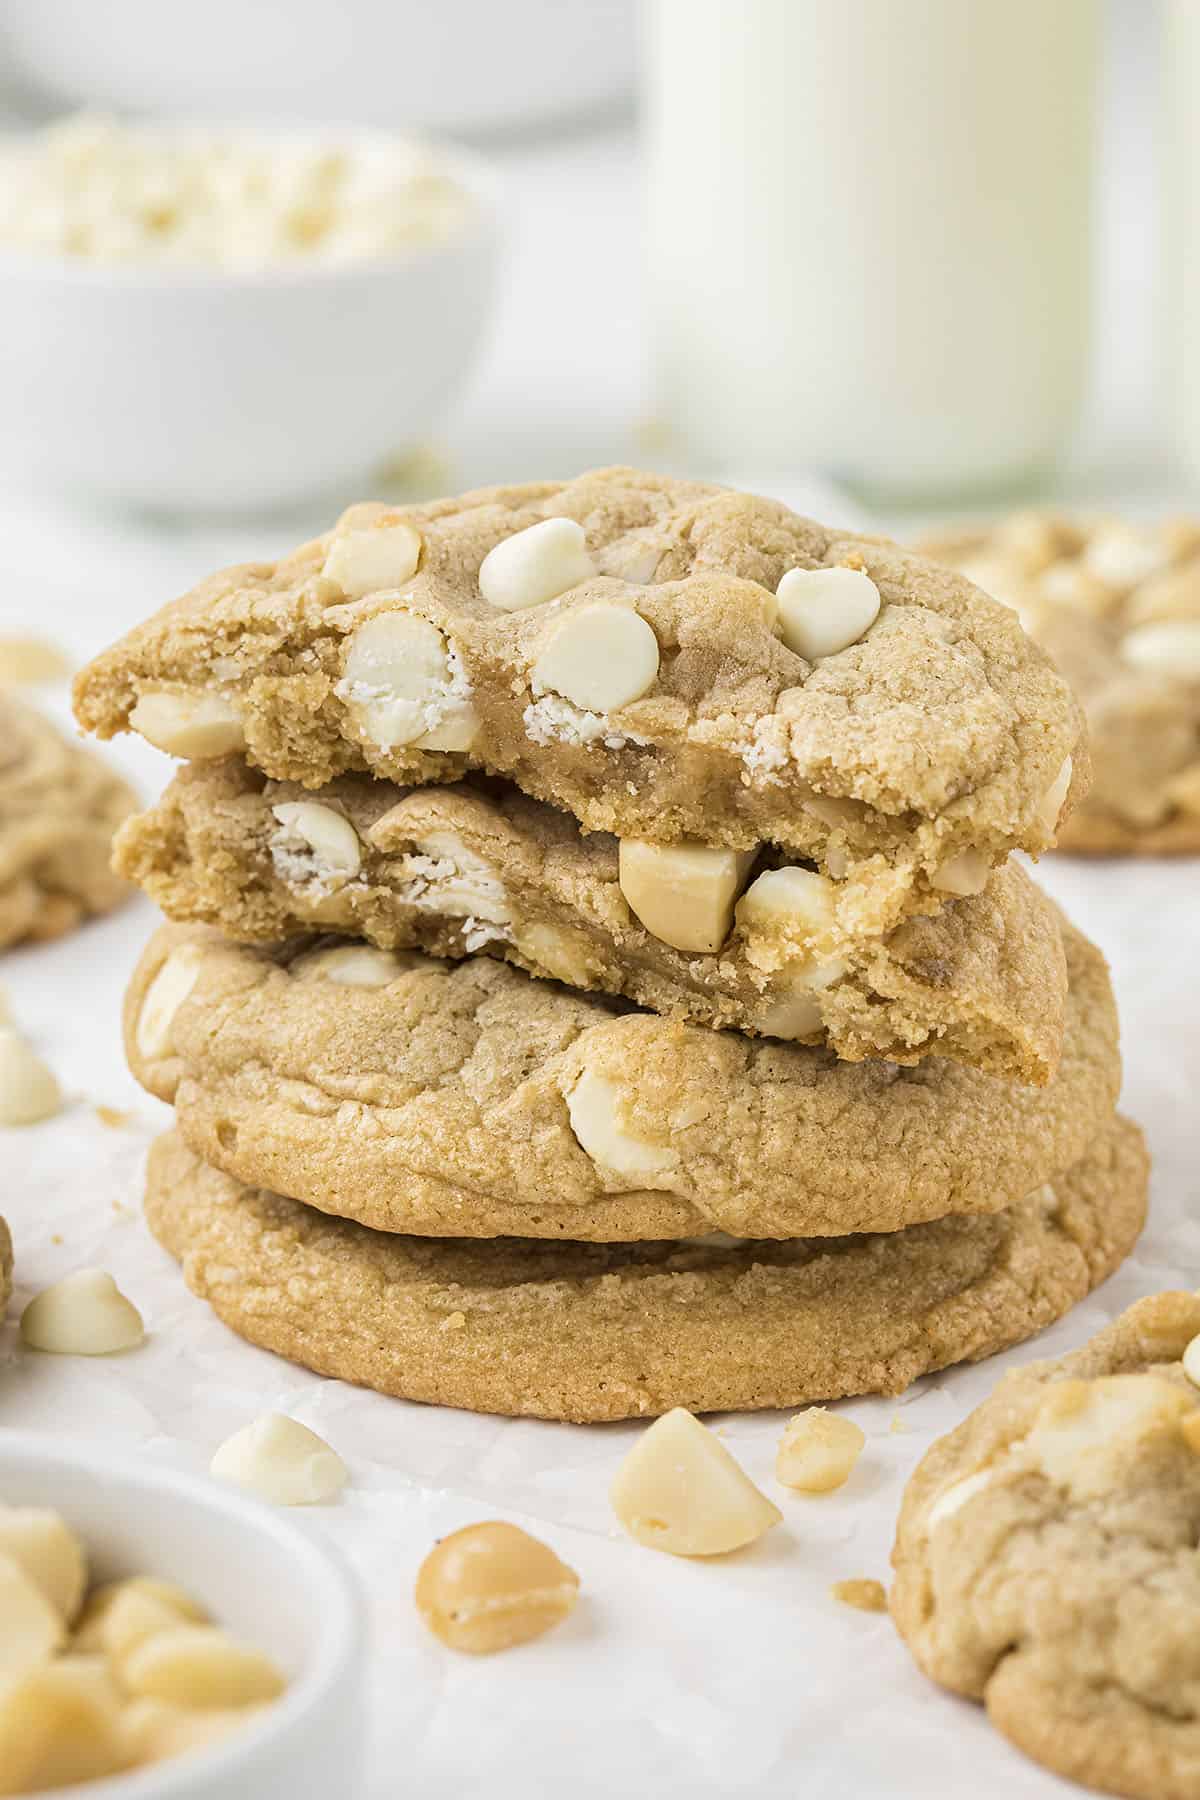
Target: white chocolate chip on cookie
(565,955)
(786,908)
(327,836)
(680,1490)
(963,874)
(1167,647)
(818,1450)
(447,877)
(279,1459)
(85,1314)
(164,997)
(599,657)
(596,1108)
(368,559)
(1080,1425)
(683,894)
(48,1550)
(535,565)
(822,611)
(28,1089)
(956,1495)
(404,684)
(191,725)
(358,965)
(1051,804)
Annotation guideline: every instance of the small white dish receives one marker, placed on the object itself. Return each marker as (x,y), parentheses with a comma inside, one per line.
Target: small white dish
(261,1575)
(204,390)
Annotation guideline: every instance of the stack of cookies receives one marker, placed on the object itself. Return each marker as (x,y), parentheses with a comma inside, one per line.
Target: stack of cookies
(598,981)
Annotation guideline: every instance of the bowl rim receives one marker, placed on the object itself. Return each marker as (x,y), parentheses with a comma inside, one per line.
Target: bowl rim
(336,1597)
(472,172)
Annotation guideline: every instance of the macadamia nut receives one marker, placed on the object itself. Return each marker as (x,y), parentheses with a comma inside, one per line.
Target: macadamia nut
(492,1586)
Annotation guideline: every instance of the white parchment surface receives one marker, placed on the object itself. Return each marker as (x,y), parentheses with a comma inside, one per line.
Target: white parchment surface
(739,1676)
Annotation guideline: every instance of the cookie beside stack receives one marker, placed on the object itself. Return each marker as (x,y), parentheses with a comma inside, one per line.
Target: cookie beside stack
(598,983)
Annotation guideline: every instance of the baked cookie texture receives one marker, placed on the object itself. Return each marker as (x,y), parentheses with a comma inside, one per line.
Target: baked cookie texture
(464,1099)
(588,1332)
(939,732)
(59,808)
(478,866)
(1046,1558)
(6,1265)
(1117,606)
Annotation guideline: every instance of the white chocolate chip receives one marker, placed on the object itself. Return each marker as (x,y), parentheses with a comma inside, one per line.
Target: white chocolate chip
(85,1314)
(599,657)
(680,1490)
(48,1550)
(201,1666)
(535,565)
(1168,647)
(31,1629)
(405,684)
(822,611)
(368,559)
(565,955)
(279,1459)
(164,997)
(956,1495)
(28,1089)
(1122,556)
(782,912)
(1191,1361)
(156,1732)
(444,876)
(965,873)
(357,965)
(818,1450)
(1080,1425)
(323,834)
(61,1724)
(1051,803)
(596,1108)
(138,1611)
(683,893)
(173,1604)
(198,725)
(796,1014)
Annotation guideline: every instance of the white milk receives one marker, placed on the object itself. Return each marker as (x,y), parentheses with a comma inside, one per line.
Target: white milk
(869,233)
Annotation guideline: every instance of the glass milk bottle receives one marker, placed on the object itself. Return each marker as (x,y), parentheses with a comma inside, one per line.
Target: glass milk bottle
(868,235)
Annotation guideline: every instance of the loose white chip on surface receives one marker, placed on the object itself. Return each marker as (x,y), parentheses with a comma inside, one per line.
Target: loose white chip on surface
(28,1089)
(279,1459)
(683,893)
(822,611)
(596,1106)
(535,565)
(368,559)
(191,725)
(84,1314)
(600,658)
(818,1450)
(680,1490)
(328,834)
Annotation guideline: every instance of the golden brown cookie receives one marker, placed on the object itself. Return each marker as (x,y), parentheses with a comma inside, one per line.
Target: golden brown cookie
(6,1265)
(480,866)
(612,1331)
(59,808)
(1046,1557)
(640,677)
(1117,605)
(464,1099)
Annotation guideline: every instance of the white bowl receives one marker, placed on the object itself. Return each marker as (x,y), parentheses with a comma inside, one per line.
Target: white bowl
(206,390)
(259,1573)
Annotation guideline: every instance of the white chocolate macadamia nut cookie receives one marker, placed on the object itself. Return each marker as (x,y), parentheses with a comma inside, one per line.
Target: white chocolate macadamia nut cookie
(667,661)
(613,1331)
(59,808)
(1117,605)
(464,1098)
(710,935)
(1046,1557)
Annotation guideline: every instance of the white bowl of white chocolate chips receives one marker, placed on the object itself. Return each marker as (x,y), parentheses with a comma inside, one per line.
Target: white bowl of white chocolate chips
(205,319)
(166,1638)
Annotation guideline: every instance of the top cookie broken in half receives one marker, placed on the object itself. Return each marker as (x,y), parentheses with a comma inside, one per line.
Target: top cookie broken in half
(690,932)
(662,659)
(1046,1556)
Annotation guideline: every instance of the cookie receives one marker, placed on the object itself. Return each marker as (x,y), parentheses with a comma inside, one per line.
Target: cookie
(59,808)
(612,1331)
(632,662)
(6,1266)
(478,866)
(1118,607)
(464,1099)
(1046,1557)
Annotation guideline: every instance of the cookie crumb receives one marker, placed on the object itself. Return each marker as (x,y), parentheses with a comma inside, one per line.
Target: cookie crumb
(114,1117)
(898,1424)
(864,1595)
(453,1322)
